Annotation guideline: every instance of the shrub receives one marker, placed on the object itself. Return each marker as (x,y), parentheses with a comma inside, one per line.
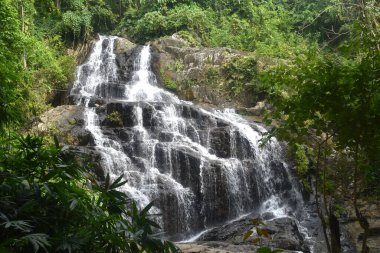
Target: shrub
(49,203)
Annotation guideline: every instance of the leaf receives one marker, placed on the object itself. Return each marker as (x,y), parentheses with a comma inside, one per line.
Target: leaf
(21,225)
(117,182)
(51,193)
(153,224)
(262,232)
(38,241)
(256,240)
(71,243)
(146,209)
(73,204)
(258,221)
(3,216)
(247,235)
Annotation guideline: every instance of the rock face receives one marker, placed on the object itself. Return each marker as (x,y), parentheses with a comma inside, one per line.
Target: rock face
(66,122)
(355,233)
(197,73)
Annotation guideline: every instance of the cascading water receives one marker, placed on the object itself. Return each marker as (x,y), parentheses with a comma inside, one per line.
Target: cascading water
(201,168)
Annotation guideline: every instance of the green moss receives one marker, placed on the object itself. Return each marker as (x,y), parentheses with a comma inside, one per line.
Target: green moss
(115,118)
(168,82)
(72,121)
(176,66)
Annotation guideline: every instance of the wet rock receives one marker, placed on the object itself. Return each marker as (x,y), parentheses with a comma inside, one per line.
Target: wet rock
(96,101)
(148,116)
(242,146)
(126,112)
(165,137)
(284,234)
(186,167)
(219,247)
(125,62)
(220,142)
(124,134)
(216,196)
(197,72)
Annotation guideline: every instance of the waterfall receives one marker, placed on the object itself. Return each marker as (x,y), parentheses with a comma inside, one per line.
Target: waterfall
(200,167)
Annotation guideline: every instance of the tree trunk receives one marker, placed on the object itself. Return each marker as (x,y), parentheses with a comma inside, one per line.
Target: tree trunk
(319,210)
(23,29)
(120,9)
(334,232)
(361,219)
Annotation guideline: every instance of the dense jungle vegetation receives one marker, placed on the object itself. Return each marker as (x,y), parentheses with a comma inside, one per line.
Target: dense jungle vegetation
(322,80)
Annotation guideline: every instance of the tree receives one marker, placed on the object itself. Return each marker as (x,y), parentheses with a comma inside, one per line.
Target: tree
(335,100)
(11,85)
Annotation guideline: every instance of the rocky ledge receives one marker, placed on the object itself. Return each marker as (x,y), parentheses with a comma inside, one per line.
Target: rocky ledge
(220,247)
(199,75)
(65,122)
(281,233)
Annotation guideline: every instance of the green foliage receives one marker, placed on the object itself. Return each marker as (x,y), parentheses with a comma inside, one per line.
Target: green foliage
(155,24)
(149,26)
(335,95)
(212,76)
(11,85)
(30,68)
(168,82)
(116,118)
(47,70)
(50,204)
(267,250)
(240,74)
(77,22)
(302,164)
(302,161)
(103,19)
(263,26)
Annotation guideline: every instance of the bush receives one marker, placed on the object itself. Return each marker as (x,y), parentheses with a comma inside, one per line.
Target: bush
(48,204)
(240,74)
(155,24)
(151,25)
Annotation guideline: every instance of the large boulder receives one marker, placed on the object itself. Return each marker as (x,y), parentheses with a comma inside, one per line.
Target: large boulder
(66,122)
(283,234)
(196,74)
(219,247)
